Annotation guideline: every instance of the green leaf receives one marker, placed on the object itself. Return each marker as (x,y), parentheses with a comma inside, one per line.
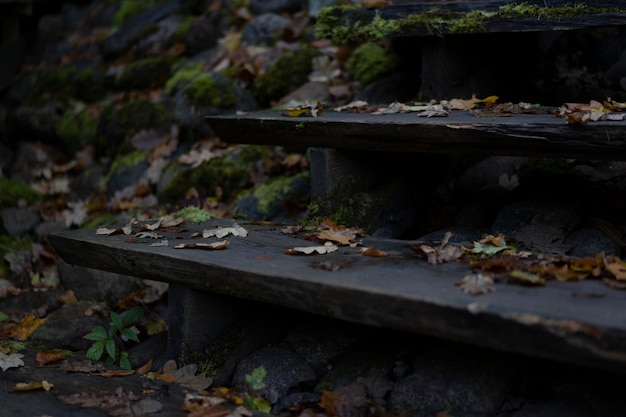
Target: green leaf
(130,334)
(97,333)
(257,403)
(132,315)
(487,250)
(109,345)
(96,350)
(117,321)
(3,316)
(124,361)
(255,379)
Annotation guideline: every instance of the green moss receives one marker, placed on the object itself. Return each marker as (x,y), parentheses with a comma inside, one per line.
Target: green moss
(76,128)
(144,72)
(193,214)
(184,75)
(132,8)
(369,62)
(211,90)
(218,353)
(105,219)
(290,71)
(349,24)
(182,31)
(12,191)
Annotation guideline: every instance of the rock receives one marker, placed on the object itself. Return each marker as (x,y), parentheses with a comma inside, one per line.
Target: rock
(559,213)
(66,327)
(314,6)
(134,29)
(589,241)
(276,6)
(95,285)
(18,221)
(321,343)
(40,303)
(285,370)
(469,384)
(263,29)
(203,33)
(498,171)
(459,235)
(161,38)
(398,87)
(151,348)
(310,91)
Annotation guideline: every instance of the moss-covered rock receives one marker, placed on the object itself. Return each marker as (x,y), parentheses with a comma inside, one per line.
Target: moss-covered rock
(143,73)
(290,71)
(193,214)
(125,170)
(78,83)
(183,75)
(12,191)
(370,62)
(276,197)
(76,128)
(211,90)
(131,8)
(227,172)
(118,123)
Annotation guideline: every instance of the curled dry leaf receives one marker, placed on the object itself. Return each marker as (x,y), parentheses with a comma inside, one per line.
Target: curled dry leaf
(164,242)
(328,247)
(46,357)
(476,284)
(220,232)
(289,230)
(32,385)
(444,252)
(148,235)
(223,244)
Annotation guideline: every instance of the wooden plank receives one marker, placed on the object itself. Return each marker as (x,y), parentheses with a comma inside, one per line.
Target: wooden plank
(400,292)
(419,18)
(534,135)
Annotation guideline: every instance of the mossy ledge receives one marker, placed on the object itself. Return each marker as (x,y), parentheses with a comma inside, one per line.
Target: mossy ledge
(352,24)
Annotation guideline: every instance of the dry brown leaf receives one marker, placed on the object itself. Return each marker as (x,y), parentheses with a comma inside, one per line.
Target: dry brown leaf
(526,278)
(372,251)
(26,327)
(288,230)
(476,284)
(223,244)
(46,357)
(436,254)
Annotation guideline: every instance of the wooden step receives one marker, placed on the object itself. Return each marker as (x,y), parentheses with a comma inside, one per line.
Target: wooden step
(534,135)
(582,322)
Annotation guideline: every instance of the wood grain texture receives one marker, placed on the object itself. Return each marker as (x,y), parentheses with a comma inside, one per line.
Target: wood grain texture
(534,135)
(400,292)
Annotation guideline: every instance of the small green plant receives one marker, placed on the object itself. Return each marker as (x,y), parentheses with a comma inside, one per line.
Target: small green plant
(104,340)
(3,316)
(256,381)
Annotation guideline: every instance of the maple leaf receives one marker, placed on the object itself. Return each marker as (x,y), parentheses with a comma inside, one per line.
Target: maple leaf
(476,284)
(26,327)
(185,376)
(11,360)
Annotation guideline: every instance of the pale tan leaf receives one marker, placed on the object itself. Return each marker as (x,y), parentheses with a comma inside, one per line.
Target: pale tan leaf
(312,250)
(11,360)
(220,232)
(223,244)
(476,284)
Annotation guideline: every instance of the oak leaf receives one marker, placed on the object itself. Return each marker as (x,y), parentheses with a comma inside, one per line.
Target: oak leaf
(11,360)
(476,284)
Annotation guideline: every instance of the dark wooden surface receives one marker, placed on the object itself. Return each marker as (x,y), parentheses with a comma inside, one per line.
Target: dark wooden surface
(582,322)
(496,24)
(540,135)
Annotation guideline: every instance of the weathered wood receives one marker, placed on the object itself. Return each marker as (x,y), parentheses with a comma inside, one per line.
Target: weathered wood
(399,292)
(534,135)
(419,18)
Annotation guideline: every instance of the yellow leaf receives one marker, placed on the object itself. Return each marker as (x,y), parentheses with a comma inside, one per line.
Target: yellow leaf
(26,327)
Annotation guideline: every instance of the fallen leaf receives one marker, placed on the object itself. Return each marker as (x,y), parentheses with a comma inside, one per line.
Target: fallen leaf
(26,327)
(11,360)
(305,109)
(164,242)
(46,357)
(148,235)
(185,376)
(33,385)
(288,230)
(436,254)
(372,251)
(476,284)
(208,246)
(220,232)
(527,278)
(328,247)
